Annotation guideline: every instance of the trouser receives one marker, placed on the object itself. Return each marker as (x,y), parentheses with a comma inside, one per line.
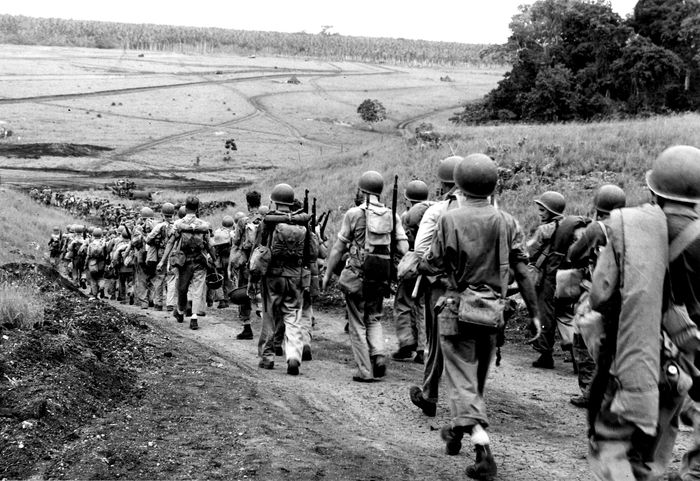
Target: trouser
(245,308)
(143,284)
(585,364)
(619,450)
(159,283)
(109,286)
(171,287)
(545,303)
(276,329)
(191,274)
(468,356)
(690,465)
(307,316)
(283,306)
(434,363)
(95,279)
(54,261)
(365,328)
(124,280)
(408,316)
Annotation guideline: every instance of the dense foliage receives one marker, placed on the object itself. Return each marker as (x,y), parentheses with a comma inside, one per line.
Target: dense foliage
(577,59)
(52,31)
(371,111)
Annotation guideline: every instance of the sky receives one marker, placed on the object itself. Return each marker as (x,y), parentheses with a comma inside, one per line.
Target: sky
(466,21)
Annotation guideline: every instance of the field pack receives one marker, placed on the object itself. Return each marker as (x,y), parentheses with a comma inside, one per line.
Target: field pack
(376,264)
(250,231)
(192,238)
(287,244)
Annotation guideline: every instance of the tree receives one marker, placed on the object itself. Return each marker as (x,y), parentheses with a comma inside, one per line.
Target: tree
(371,111)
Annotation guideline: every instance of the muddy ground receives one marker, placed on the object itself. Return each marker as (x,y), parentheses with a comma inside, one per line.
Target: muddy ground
(107,391)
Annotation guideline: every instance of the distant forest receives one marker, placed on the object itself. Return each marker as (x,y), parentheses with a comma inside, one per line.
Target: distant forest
(23,30)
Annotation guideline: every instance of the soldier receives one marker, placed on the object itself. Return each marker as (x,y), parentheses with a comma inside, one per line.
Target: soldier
(548,249)
(285,279)
(145,267)
(163,281)
(123,260)
(96,257)
(638,277)
(426,397)
(366,232)
(55,242)
(474,245)
(408,311)
(190,246)
(584,254)
(242,246)
(222,241)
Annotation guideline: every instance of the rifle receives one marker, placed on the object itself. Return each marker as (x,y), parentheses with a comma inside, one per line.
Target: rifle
(324,224)
(392,246)
(305,208)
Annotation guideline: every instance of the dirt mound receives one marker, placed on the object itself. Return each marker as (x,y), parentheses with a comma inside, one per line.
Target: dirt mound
(36,151)
(80,362)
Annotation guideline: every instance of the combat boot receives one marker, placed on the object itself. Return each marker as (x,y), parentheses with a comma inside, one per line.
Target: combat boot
(545,361)
(453,439)
(405,352)
(420,358)
(484,468)
(306,354)
(293,367)
(246,333)
(428,408)
(193,324)
(378,366)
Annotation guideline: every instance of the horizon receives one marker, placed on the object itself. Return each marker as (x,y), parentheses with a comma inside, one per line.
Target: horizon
(485,24)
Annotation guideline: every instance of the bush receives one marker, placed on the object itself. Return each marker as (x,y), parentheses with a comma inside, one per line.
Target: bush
(371,111)
(20,307)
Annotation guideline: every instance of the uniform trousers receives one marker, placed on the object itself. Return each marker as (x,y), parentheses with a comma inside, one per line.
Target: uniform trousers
(365,329)
(283,302)
(143,284)
(191,275)
(409,316)
(434,362)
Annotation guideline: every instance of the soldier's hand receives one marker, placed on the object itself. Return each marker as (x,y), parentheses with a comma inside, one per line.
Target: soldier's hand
(538,329)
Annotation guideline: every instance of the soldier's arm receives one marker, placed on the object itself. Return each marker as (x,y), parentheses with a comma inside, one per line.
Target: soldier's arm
(166,254)
(518,260)
(336,254)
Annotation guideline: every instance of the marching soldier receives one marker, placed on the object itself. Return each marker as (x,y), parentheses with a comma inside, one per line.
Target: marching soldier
(144,269)
(163,281)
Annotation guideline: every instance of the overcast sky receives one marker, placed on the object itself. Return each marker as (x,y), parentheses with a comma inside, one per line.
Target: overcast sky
(466,21)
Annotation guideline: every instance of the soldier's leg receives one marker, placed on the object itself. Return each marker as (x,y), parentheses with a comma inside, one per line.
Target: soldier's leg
(94,284)
(198,284)
(244,309)
(291,314)
(141,286)
(171,287)
(403,320)
(419,323)
(584,364)
(307,315)
(158,289)
(183,283)
(690,467)
(545,343)
(434,362)
(358,335)
(274,291)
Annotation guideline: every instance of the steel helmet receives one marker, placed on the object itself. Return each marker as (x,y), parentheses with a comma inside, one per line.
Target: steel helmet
(675,174)
(476,175)
(146,212)
(282,194)
(416,191)
(371,182)
(239,215)
(262,210)
(227,221)
(446,169)
(609,197)
(79,229)
(56,229)
(90,229)
(167,209)
(182,211)
(124,231)
(97,233)
(553,201)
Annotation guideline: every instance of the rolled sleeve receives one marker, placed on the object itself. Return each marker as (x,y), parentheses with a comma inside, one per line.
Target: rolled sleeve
(345,234)
(518,249)
(424,237)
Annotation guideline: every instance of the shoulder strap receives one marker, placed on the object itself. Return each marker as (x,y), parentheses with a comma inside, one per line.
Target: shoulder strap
(503,255)
(605,231)
(683,240)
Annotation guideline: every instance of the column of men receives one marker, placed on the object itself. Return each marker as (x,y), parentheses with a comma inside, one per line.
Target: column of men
(628,278)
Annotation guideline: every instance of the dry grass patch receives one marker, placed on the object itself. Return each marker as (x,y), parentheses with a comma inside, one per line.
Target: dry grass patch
(20,307)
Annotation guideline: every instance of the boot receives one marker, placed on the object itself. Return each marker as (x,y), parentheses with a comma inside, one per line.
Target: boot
(193,324)
(246,333)
(293,367)
(405,352)
(306,354)
(453,440)
(545,361)
(378,366)
(579,401)
(420,358)
(222,305)
(428,408)
(484,468)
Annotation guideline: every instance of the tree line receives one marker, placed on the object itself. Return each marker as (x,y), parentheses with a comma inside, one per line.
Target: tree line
(24,30)
(579,60)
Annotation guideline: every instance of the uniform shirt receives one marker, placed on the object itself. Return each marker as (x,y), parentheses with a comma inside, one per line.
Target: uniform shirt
(466,243)
(584,252)
(354,225)
(424,236)
(685,270)
(411,220)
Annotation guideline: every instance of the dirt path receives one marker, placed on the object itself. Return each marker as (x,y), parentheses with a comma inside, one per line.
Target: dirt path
(373,431)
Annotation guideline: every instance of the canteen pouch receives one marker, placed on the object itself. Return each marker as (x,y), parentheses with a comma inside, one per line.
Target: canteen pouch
(447,312)
(568,284)
(350,281)
(408,266)
(481,306)
(260,261)
(589,324)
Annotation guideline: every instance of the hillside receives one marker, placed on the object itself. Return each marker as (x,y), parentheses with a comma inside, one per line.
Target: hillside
(23,30)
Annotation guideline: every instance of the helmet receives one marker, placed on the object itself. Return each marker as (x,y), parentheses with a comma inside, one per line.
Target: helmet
(238,216)
(609,197)
(167,209)
(124,231)
(146,213)
(446,169)
(182,211)
(97,233)
(78,229)
(90,229)
(371,182)
(554,202)
(220,237)
(675,174)
(263,210)
(282,194)
(476,175)
(71,228)
(56,229)
(416,191)
(227,221)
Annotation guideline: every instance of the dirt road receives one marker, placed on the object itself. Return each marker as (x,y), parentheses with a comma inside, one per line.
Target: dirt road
(214,413)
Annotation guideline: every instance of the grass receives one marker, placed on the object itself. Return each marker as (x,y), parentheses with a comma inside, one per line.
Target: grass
(27,227)
(19,306)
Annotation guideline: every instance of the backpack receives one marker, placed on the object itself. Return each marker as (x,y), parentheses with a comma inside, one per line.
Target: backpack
(287,246)
(250,231)
(55,245)
(192,238)
(376,265)
(95,251)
